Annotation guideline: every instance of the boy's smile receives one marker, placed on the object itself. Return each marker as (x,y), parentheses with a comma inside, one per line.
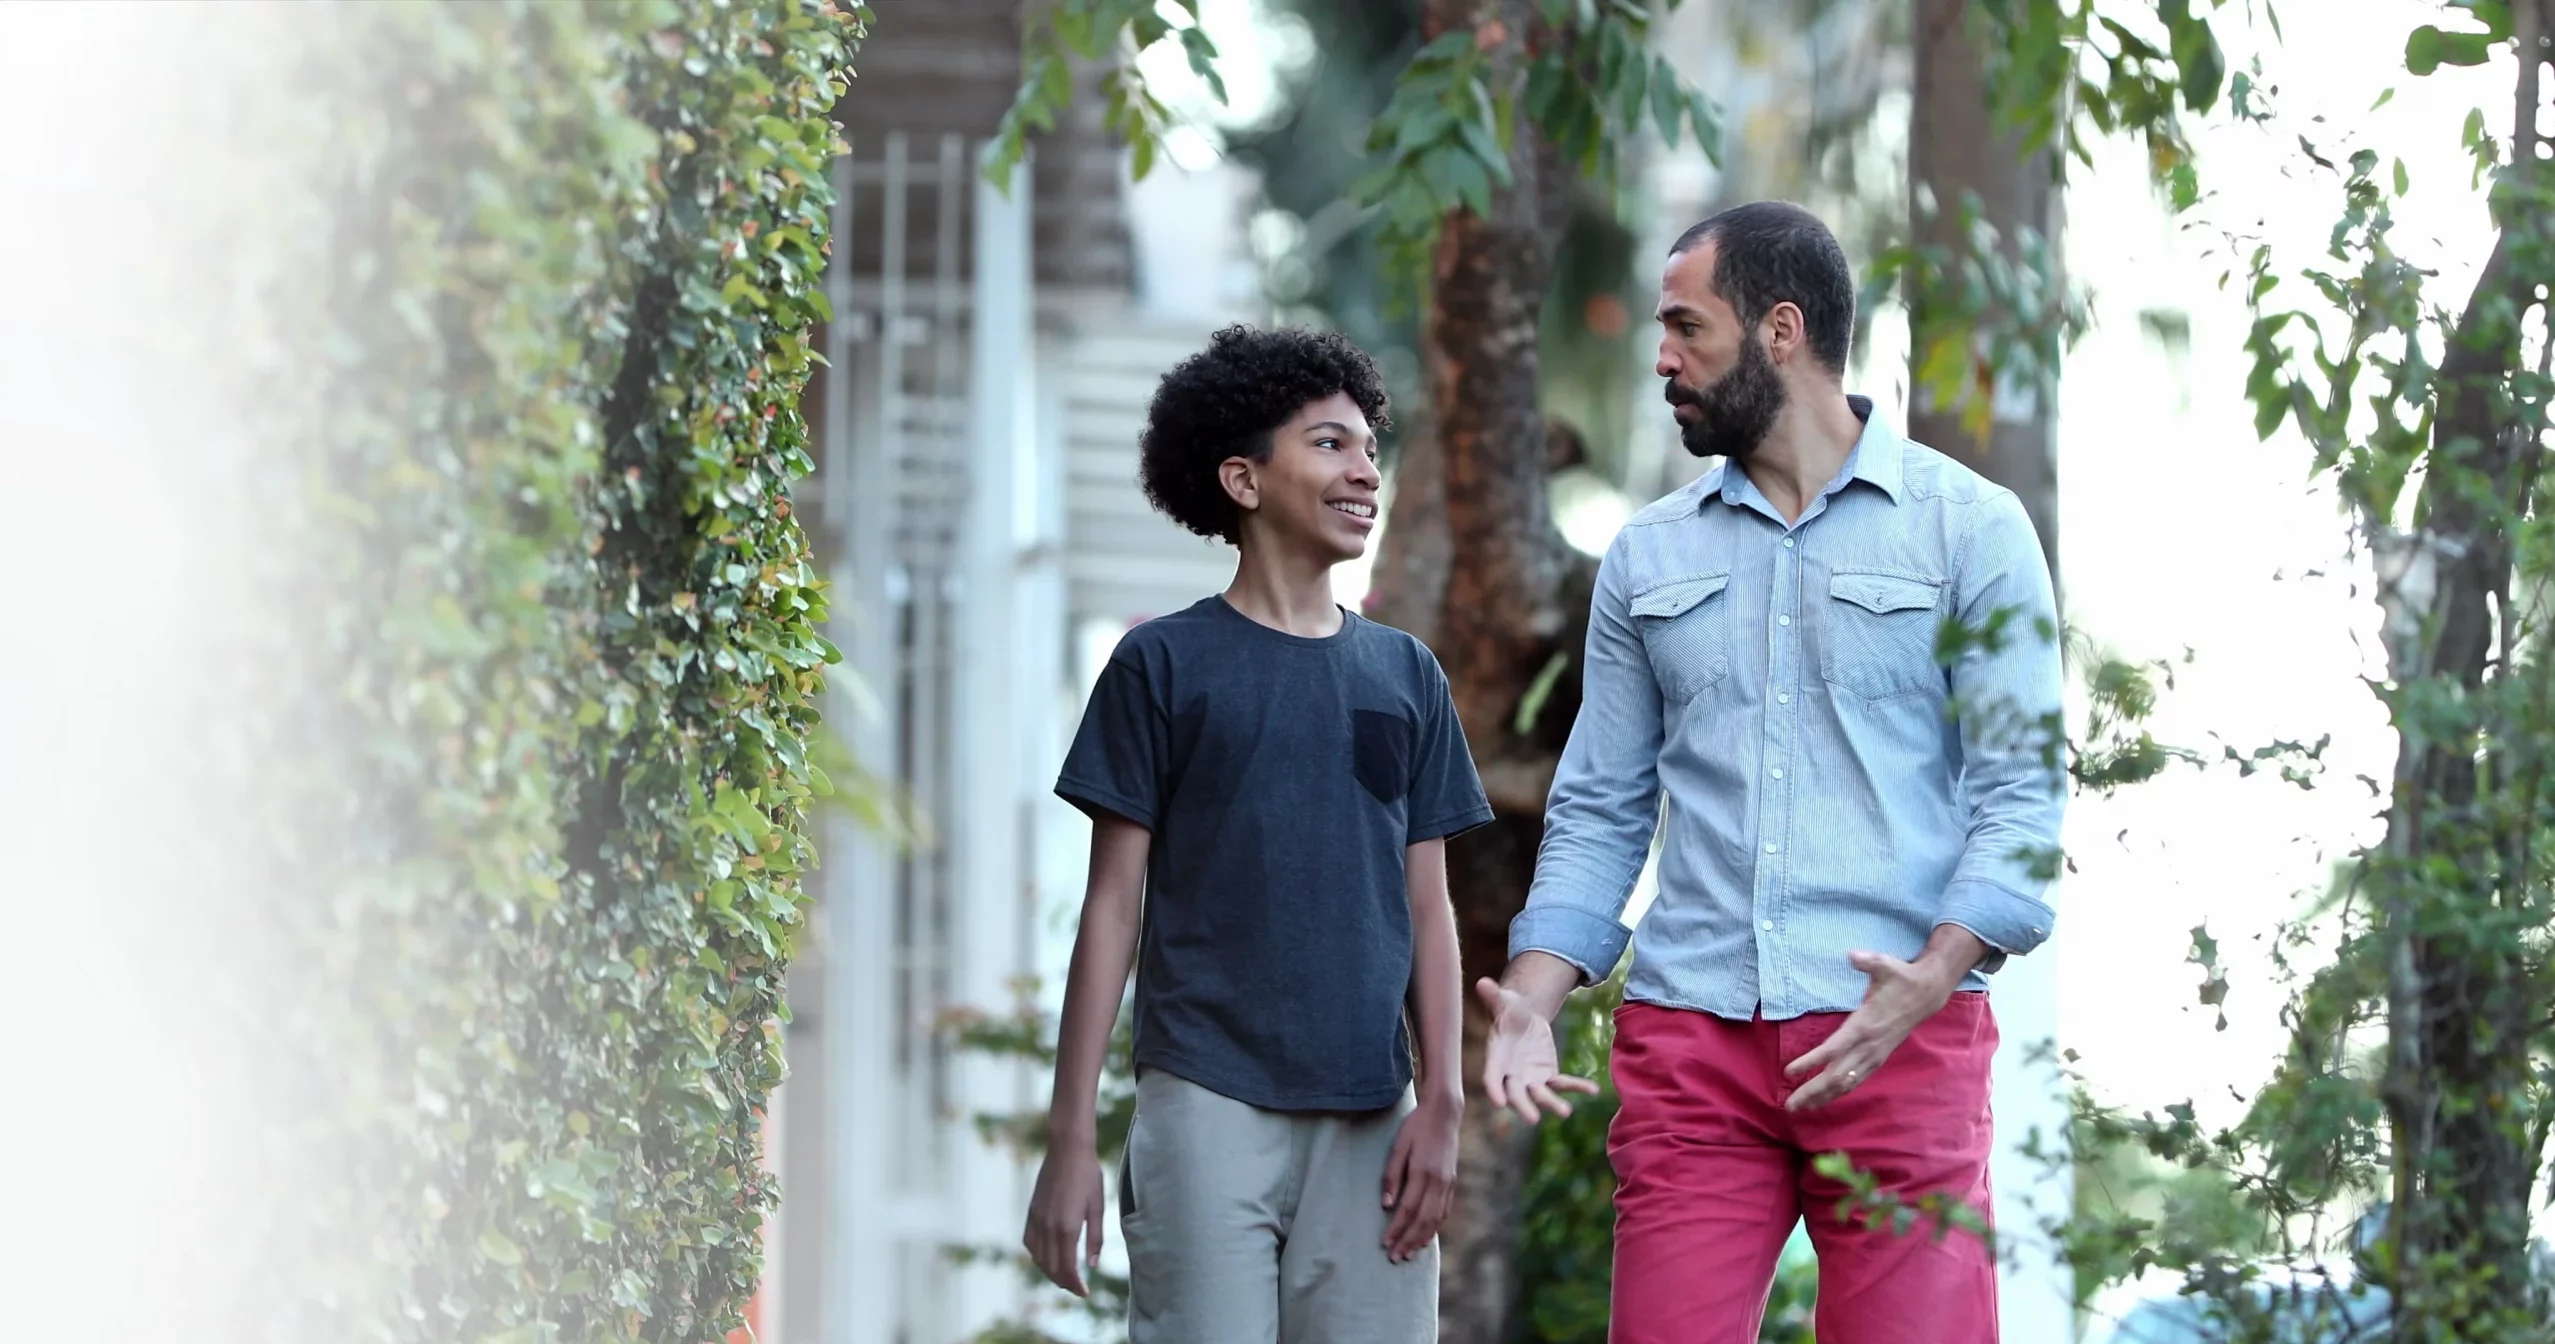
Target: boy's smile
(1316,491)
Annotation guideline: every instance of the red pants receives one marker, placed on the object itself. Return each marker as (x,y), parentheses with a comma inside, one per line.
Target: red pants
(1712,1172)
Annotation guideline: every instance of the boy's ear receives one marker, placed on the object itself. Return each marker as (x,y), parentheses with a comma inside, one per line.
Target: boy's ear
(1241,484)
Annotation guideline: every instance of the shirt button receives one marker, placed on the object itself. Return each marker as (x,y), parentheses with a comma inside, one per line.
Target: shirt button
(1766,924)
(1769,846)
(1783,620)
(1787,543)
(1783,698)
(1778,772)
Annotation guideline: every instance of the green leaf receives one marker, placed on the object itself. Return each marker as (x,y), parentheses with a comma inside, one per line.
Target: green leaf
(1419,129)
(2185,184)
(1707,124)
(1074,27)
(1545,81)
(1437,169)
(498,1247)
(1485,149)
(1447,47)
(1632,89)
(2496,15)
(1471,183)
(1666,101)
(1530,706)
(1202,58)
(2202,65)
(2428,48)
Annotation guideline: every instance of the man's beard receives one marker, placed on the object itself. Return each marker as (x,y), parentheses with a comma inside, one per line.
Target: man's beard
(1737,411)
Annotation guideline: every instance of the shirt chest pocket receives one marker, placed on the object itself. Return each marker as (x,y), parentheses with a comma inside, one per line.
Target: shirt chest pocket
(1685,629)
(1877,633)
(1381,753)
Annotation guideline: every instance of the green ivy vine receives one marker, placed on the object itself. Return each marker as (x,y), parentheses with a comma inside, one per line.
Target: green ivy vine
(570,653)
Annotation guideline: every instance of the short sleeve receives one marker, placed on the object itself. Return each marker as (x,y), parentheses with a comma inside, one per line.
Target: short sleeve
(1446,792)
(1121,754)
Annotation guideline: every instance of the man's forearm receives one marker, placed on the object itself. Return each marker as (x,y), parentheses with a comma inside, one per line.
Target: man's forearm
(1542,979)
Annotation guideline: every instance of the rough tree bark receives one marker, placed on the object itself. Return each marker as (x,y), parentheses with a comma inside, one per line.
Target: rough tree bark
(1956,146)
(1473,564)
(2458,1001)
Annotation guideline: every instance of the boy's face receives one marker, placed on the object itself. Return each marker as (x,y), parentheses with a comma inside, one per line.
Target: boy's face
(1316,492)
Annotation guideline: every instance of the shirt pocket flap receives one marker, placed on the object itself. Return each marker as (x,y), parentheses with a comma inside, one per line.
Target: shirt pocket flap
(1881,593)
(1676,597)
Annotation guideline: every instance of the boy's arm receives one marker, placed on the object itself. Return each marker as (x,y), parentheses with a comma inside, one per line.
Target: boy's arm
(1419,1177)
(1069,1200)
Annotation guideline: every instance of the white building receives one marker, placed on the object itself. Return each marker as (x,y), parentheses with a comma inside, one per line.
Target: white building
(991,358)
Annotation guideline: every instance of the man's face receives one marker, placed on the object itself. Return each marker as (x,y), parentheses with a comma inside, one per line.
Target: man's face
(1722,384)
(1317,489)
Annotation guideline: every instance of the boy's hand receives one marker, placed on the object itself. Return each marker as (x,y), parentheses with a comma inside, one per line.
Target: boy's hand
(1519,1070)
(1419,1177)
(1068,1200)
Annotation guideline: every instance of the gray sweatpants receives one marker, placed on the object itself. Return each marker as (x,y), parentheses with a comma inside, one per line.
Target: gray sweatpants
(1246,1226)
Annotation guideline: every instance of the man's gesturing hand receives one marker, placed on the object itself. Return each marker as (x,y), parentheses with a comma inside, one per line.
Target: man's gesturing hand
(1520,1071)
(1901,996)
(1068,1200)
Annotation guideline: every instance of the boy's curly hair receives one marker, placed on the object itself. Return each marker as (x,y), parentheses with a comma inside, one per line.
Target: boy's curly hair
(1228,400)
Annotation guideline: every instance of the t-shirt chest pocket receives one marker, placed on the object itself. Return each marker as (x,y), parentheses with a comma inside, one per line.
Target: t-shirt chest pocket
(1381,748)
(1878,631)
(1684,624)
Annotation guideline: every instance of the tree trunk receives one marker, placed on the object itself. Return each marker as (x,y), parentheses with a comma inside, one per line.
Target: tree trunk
(1472,563)
(2456,869)
(1959,150)
(1956,149)
(1409,583)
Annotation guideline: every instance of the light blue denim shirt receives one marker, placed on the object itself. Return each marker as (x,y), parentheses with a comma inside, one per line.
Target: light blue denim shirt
(1832,784)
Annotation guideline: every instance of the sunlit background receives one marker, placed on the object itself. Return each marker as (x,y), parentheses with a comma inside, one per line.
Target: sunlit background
(2186,540)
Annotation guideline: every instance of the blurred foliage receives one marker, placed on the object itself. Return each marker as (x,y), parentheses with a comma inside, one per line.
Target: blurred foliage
(1996,311)
(2383,1179)
(1029,1034)
(567,660)
(1566,1247)
(1442,141)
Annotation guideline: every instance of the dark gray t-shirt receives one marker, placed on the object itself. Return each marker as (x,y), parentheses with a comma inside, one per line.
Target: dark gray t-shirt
(1282,778)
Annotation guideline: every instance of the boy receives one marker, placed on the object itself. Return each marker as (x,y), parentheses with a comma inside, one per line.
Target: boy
(1271,781)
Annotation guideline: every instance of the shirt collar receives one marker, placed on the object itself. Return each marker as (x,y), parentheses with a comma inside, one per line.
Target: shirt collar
(1880,455)
(1878,459)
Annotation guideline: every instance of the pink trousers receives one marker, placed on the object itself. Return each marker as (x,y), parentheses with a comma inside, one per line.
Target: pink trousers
(1712,1172)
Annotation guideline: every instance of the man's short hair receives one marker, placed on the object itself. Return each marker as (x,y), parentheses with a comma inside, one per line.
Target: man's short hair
(1228,400)
(1773,251)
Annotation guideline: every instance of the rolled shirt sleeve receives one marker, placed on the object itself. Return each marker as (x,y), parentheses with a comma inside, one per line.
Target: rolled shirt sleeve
(2008,695)
(1604,804)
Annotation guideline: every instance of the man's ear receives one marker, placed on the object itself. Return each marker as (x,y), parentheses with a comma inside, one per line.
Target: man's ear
(1787,332)
(1241,482)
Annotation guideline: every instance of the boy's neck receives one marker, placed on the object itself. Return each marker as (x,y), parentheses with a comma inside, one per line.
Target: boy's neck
(1285,592)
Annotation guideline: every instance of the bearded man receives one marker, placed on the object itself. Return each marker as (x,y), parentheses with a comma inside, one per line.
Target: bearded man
(1862,816)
